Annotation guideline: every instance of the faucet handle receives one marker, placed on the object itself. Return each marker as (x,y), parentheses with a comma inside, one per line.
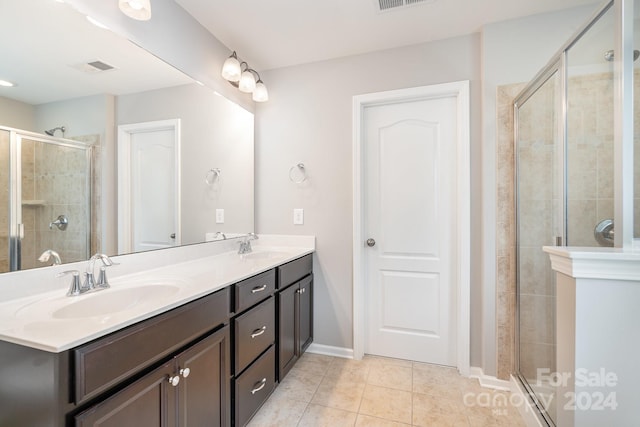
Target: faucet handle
(103,283)
(75,288)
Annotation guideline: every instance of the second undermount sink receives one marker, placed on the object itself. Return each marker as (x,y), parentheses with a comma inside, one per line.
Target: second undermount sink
(113,300)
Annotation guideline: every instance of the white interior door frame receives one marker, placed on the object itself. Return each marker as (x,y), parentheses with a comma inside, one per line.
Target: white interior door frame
(125,244)
(459,90)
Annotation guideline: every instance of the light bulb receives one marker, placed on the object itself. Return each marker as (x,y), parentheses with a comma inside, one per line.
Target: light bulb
(247,82)
(260,93)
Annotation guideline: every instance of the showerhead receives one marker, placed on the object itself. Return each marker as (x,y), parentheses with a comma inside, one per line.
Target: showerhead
(609,55)
(51,132)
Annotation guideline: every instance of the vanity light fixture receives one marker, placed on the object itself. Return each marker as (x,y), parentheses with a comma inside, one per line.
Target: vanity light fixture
(5,83)
(243,77)
(136,9)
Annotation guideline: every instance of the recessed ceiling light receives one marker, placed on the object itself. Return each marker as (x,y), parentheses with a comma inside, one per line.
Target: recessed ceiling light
(5,83)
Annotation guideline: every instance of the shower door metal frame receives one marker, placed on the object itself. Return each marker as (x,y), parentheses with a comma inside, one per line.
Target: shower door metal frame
(552,70)
(557,64)
(16,226)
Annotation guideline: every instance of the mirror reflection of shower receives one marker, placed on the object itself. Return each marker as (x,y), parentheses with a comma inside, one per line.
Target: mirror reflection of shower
(51,132)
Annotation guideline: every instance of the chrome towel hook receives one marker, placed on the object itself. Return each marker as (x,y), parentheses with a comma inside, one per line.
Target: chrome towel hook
(298,174)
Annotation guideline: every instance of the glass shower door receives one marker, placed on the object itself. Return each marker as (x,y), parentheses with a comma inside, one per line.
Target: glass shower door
(55,202)
(539,157)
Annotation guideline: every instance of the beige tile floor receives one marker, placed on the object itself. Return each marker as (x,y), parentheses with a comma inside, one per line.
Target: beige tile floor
(380,392)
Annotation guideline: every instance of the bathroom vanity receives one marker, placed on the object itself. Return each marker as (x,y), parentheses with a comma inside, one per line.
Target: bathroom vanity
(212,356)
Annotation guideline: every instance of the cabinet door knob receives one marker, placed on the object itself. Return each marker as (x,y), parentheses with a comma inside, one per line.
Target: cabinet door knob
(258,332)
(371,242)
(174,380)
(185,372)
(259,386)
(258,289)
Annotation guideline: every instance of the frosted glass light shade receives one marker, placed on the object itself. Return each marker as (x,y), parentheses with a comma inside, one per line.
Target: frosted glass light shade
(247,82)
(231,69)
(136,9)
(260,93)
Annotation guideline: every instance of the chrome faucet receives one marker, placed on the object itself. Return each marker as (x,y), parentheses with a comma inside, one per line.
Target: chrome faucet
(245,243)
(47,255)
(90,283)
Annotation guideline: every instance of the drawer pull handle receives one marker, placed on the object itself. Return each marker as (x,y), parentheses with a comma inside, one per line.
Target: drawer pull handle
(258,332)
(174,380)
(258,289)
(185,372)
(259,386)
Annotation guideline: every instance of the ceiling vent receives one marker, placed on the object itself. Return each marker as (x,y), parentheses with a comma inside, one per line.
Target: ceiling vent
(385,5)
(93,67)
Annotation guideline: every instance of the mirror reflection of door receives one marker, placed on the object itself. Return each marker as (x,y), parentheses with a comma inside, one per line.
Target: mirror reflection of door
(148,186)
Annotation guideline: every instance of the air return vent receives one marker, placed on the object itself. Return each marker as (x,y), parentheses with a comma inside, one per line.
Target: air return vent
(384,5)
(93,67)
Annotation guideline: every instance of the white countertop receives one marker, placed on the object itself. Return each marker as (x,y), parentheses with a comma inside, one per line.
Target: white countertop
(28,319)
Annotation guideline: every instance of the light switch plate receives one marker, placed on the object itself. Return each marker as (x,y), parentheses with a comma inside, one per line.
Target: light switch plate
(298,216)
(219,216)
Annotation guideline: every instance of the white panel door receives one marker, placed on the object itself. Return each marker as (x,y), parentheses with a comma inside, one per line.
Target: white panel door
(149,185)
(410,212)
(153,189)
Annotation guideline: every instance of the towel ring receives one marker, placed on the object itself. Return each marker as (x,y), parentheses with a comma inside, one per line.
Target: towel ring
(301,172)
(212,175)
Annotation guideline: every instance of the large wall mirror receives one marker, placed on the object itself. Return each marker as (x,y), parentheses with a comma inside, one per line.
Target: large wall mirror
(106,148)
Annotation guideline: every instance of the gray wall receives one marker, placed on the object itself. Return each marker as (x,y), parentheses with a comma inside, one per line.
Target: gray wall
(308,119)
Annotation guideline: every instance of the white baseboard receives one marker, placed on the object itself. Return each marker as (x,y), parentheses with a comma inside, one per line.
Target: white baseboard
(488,380)
(329,350)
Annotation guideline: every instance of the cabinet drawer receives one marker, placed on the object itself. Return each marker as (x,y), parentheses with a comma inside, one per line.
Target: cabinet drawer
(254,386)
(254,289)
(111,359)
(254,333)
(295,270)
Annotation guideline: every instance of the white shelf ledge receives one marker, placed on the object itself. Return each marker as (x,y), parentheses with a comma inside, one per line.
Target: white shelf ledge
(595,263)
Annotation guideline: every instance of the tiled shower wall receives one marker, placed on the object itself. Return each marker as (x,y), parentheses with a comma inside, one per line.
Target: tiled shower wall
(54,182)
(590,199)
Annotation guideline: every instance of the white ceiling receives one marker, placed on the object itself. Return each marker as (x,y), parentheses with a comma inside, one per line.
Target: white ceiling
(278,33)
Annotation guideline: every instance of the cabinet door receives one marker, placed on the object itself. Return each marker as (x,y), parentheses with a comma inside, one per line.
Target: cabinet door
(305,314)
(148,402)
(287,352)
(204,372)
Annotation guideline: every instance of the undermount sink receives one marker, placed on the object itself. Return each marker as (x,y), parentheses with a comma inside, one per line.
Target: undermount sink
(113,300)
(98,303)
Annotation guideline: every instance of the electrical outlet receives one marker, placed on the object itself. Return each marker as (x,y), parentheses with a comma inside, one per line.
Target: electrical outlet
(298,216)
(219,216)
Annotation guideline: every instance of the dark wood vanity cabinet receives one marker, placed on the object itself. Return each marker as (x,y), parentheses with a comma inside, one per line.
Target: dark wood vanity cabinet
(254,336)
(211,362)
(295,312)
(190,390)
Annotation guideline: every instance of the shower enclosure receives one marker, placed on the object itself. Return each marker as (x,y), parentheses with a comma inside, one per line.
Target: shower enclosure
(564,156)
(45,199)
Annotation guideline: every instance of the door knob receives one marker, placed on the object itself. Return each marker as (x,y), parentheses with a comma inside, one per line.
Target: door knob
(371,242)
(173,235)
